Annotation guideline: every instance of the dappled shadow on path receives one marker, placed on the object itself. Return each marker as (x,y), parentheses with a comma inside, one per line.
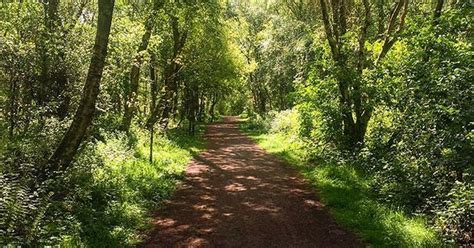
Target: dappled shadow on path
(237,195)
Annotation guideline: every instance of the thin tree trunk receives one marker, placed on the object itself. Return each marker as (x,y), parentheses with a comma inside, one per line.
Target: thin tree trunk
(202,108)
(391,34)
(437,12)
(170,88)
(131,100)
(213,106)
(53,75)
(153,91)
(362,113)
(193,108)
(66,150)
(381,18)
(130,103)
(13,108)
(52,13)
(170,80)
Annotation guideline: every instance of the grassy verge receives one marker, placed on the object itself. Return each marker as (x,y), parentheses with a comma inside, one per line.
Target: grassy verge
(345,192)
(122,187)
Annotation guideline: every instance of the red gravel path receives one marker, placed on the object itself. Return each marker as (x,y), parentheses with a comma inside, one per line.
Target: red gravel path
(237,195)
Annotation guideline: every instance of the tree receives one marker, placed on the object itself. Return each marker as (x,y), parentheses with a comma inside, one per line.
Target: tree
(170,77)
(131,100)
(69,144)
(354,103)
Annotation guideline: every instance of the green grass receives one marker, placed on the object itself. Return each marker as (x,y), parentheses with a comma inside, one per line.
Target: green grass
(123,188)
(345,192)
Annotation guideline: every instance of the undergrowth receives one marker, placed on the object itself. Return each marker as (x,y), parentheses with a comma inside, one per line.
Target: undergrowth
(110,193)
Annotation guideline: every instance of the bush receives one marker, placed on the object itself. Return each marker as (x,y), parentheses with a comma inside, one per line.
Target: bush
(346,192)
(386,178)
(107,194)
(257,122)
(456,217)
(286,122)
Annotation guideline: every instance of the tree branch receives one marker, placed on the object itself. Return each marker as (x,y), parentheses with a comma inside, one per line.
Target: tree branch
(328,30)
(391,36)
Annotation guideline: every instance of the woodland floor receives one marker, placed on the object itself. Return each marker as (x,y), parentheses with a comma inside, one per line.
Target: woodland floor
(237,195)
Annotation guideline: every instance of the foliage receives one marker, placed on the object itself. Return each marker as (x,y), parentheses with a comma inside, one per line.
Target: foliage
(383,105)
(110,191)
(418,144)
(105,197)
(346,191)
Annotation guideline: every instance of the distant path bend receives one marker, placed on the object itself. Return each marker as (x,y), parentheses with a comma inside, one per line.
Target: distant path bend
(237,195)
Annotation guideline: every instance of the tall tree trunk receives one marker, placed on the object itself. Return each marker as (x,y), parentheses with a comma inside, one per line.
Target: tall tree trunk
(214,100)
(171,82)
(381,18)
(354,113)
(193,108)
(170,79)
(362,113)
(437,12)
(391,35)
(202,108)
(175,101)
(66,150)
(52,7)
(13,107)
(262,106)
(170,89)
(131,99)
(132,92)
(50,21)
(345,105)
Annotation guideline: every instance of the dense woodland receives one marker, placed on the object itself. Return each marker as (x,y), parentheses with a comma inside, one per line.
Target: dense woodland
(103,101)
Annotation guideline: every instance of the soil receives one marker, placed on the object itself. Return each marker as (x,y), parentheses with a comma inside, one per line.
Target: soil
(237,195)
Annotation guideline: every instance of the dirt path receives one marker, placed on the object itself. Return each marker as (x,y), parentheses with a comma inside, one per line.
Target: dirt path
(237,195)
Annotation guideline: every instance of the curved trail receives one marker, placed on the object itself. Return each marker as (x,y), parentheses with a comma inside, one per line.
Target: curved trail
(237,195)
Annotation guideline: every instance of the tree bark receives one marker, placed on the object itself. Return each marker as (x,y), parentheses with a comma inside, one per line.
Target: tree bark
(193,97)
(170,79)
(355,114)
(391,35)
(53,75)
(13,108)
(51,20)
(214,101)
(329,30)
(333,33)
(83,117)
(437,12)
(52,14)
(131,99)
(381,18)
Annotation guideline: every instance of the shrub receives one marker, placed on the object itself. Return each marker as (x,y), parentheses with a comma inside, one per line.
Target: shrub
(106,196)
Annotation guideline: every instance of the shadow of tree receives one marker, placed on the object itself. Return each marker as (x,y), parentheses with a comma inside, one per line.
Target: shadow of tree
(237,195)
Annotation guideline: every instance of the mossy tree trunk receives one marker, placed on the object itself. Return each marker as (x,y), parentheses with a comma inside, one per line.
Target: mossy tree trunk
(64,154)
